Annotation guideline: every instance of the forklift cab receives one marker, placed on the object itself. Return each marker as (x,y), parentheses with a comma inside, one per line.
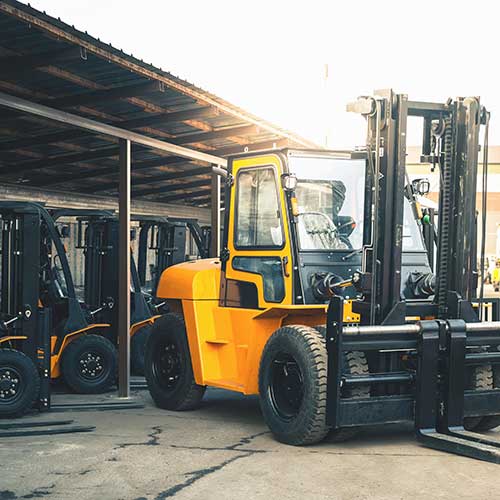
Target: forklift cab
(296,218)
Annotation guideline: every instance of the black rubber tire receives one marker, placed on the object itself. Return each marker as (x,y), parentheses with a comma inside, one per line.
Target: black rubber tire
(355,363)
(481,378)
(307,348)
(491,421)
(27,385)
(71,367)
(137,349)
(167,366)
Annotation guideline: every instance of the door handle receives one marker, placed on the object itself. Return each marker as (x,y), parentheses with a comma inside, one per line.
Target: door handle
(284,264)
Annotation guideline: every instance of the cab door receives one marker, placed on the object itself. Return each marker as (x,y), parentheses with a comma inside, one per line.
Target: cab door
(257,267)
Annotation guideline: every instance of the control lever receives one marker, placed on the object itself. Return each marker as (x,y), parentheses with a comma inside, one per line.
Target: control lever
(351,254)
(108,304)
(160,305)
(4,325)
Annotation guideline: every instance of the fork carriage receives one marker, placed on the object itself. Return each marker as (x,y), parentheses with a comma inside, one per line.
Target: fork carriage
(430,390)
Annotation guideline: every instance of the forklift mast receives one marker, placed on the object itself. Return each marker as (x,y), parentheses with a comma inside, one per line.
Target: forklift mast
(168,238)
(451,141)
(20,285)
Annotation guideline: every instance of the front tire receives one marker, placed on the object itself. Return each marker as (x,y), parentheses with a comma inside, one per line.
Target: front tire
(168,368)
(292,385)
(89,364)
(478,378)
(19,383)
(490,421)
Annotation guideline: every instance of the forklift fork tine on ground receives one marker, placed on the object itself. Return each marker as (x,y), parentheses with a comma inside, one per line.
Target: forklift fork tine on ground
(440,396)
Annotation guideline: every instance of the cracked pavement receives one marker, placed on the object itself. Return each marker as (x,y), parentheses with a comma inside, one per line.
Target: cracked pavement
(224,451)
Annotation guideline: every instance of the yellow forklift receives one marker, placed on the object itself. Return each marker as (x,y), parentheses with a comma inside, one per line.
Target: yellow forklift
(314,306)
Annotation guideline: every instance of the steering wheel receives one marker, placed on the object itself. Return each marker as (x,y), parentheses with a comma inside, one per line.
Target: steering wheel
(328,234)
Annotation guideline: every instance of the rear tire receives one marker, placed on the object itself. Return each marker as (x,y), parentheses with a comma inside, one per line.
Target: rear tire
(168,368)
(89,364)
(137,349)
(19,383)
(292,385)
(355,363)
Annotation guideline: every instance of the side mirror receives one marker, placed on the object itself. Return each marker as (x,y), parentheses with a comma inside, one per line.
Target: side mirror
(289,182)
(421,186)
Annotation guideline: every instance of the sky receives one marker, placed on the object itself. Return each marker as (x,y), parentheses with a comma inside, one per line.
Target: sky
(269,57)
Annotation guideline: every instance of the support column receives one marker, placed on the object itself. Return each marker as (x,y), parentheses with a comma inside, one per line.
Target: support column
(215,216)
(124,272)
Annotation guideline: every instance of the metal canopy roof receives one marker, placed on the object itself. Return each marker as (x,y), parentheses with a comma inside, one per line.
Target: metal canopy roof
(46,61)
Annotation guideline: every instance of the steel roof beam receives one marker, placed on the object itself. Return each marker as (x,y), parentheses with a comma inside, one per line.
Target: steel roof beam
(95,96)
(216,134)
(14,66)
(208,200)
(173,117)
(42,180)
(172,187)
(12,102)
(199,193)
(67,135)
(140,181)
(256,146)
(53,161)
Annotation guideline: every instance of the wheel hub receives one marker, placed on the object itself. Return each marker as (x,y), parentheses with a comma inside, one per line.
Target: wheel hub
(167,365)
(287,386)
(91,365)
(10,383)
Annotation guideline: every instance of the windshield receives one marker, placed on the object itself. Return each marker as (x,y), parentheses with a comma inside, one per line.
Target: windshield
(330,195)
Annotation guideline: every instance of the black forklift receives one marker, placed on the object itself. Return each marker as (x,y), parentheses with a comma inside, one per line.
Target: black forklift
(162,243)
(45,332)
(171,241)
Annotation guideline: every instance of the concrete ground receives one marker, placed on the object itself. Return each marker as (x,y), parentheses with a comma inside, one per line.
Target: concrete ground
(224,451)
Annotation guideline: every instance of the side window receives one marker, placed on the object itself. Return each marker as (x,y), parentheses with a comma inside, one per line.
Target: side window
(271,271)
(258,220)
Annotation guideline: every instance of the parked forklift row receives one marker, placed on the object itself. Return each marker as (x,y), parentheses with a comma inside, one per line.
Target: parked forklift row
(51,330)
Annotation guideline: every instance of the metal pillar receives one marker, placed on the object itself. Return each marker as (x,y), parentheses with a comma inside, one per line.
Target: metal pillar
(124,272)
(215,216)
